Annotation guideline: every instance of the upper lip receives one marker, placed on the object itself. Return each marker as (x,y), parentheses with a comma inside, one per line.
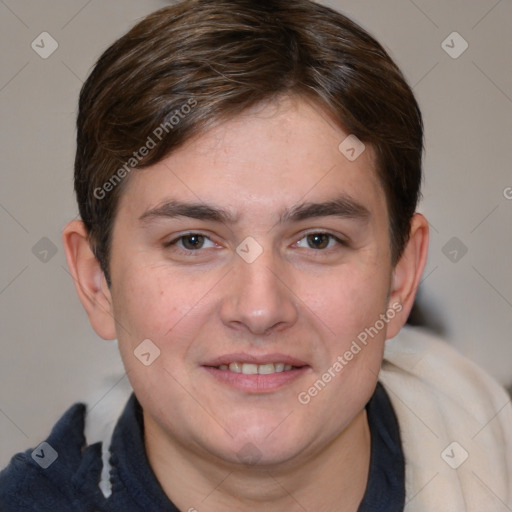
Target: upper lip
(243,357)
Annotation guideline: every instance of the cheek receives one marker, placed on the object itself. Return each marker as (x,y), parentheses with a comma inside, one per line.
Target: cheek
(349,310)
(347,301)
(140,305)
(151,302)
(148,296)
(148,308)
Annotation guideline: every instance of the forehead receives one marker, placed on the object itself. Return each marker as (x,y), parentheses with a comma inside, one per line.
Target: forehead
(263,161)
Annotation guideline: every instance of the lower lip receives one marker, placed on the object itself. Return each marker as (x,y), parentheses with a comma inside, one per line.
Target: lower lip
(257,383)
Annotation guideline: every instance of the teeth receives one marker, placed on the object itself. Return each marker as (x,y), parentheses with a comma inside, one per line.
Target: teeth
(235,367)
(254,369)
(249,369)
(265,369)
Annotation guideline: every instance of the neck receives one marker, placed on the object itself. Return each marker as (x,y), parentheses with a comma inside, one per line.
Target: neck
(331,480)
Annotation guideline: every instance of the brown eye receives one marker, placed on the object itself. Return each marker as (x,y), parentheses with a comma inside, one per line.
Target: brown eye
(192,242)
(191,245)
(318,240)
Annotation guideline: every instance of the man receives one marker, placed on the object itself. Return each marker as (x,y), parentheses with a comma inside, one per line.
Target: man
(247,176)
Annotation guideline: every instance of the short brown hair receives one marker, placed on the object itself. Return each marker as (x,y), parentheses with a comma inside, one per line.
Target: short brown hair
(198,62)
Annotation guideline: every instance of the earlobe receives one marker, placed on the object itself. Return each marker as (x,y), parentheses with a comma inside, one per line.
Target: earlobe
(89,279)
(407,273)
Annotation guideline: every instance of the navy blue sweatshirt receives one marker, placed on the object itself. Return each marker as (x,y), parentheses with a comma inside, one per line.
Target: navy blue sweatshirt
(62,474)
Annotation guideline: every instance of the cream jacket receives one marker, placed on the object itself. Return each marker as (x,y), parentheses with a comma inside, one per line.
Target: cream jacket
(455,425)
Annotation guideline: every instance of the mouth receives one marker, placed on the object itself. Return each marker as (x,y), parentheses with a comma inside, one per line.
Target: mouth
(256,374)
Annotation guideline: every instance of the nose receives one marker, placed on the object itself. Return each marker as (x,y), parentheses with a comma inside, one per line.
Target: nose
(258,299)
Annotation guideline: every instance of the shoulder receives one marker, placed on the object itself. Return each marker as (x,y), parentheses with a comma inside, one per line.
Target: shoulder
(455,424)
(432,366)
(59,474)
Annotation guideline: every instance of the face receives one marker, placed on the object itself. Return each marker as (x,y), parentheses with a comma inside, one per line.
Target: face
(253,258)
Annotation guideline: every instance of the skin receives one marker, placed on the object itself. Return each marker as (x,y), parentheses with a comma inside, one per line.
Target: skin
(305,297)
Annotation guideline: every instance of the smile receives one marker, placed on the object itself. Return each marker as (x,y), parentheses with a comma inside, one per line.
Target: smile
(257,378)
(256,369)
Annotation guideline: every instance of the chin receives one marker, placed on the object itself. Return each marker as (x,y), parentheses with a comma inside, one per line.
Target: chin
(263,457)
(261,446)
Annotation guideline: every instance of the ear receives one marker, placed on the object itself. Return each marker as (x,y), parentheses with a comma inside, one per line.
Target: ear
(89,279)
(407,274)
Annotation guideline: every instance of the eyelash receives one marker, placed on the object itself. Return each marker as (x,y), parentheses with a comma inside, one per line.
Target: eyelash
(196,252)
(338,241)
(175,241)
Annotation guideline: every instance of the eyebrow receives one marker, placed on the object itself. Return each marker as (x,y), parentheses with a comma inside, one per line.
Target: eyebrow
(199,211)
(343,207)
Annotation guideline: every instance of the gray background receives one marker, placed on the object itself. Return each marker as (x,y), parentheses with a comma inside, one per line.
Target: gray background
(51,357)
